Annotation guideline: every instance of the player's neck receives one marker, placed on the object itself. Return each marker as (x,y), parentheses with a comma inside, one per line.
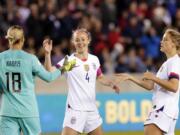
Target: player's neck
(81,55)
(15,47)
(171,54)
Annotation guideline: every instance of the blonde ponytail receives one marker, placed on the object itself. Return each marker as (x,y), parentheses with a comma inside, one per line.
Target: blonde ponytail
(15,34)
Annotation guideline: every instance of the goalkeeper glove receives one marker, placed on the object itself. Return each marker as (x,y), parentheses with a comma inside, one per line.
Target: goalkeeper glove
(68,65)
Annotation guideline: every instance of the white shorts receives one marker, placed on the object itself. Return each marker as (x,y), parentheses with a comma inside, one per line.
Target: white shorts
(161,120)
(82,121)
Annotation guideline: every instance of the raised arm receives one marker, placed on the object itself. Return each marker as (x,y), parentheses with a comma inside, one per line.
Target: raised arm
(66,65)
(47,45)
(40,71)
(147,84)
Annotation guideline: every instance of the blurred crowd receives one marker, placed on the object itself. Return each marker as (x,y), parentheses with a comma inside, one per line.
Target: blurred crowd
(125,34)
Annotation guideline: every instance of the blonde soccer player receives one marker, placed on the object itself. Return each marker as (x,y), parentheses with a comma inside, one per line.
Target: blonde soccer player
(81,111)
(18,69)
(165,85)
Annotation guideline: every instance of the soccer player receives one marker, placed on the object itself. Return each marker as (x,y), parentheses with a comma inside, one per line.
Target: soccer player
(165,84)
(18,69)
(81,111)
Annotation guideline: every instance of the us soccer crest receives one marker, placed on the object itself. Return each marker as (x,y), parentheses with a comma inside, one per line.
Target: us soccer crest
(86,67)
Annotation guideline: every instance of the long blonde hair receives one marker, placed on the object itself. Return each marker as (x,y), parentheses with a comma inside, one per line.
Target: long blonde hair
(15,35)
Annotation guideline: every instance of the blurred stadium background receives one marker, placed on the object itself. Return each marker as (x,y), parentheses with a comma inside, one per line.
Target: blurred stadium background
(126,37)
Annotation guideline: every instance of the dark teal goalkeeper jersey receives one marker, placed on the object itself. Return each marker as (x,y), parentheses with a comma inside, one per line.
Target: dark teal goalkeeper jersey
(18,70)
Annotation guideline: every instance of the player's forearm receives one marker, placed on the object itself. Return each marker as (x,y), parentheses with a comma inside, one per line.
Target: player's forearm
(48,76)
(143,83)
(47,63)
(166,84)
(104,81)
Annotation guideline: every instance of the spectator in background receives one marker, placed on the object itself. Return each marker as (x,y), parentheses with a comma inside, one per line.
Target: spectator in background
(107,65)
(159,16)
(123,20)
(31,43)
(34,25)
(151,43)
(177,19)
(122,65)
(150,65)
(132,32)
(57,54)
(57,18)
(23,11)
(108,12)
(134,63)
(113,36)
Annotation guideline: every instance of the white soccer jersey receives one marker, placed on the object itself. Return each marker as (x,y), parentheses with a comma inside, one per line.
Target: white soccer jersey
(81,83)
(164,100)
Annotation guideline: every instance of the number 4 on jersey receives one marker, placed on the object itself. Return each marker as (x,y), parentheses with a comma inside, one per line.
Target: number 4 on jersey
(87,77)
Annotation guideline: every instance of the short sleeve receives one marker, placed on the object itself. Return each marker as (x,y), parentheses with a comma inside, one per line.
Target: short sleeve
(174,69)
(60,63)
(99,71)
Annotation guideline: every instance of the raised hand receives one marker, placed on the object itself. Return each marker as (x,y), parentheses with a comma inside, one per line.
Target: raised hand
(68,65)
(47,45)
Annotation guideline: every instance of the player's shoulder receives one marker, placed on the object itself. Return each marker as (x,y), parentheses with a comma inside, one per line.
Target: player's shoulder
(93,57)
(71,56)
(21,54)
(1,53)
(28,56)
(174,60)
(4,54)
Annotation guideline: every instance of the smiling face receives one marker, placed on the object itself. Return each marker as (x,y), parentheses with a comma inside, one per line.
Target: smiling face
(81,41)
